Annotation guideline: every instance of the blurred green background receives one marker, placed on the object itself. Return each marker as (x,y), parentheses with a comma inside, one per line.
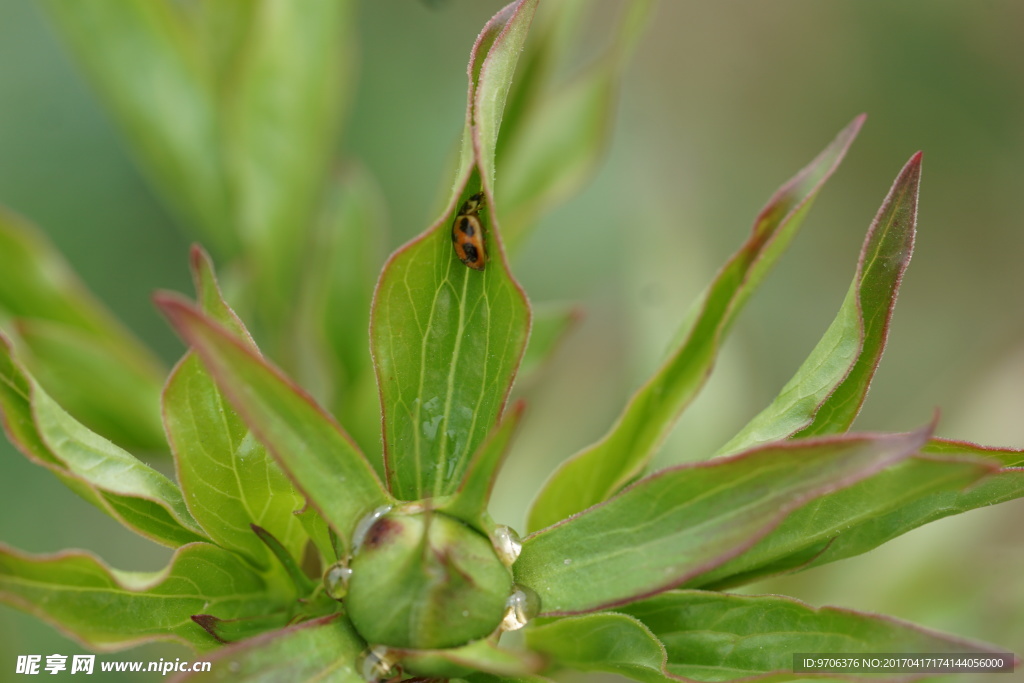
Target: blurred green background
(722,103)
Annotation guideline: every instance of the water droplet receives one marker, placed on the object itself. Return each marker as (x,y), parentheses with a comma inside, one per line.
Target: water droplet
(430,427)
(520,607)
(507,545)
(567,561)
(376,664)
(336,580)
(363,526)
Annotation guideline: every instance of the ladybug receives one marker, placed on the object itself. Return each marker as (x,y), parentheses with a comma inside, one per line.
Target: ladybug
(468,233)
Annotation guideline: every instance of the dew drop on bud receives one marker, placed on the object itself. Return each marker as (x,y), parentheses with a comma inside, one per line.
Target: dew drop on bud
(376,663)
(507,544)
(336,580)
(363,525)
(521,606)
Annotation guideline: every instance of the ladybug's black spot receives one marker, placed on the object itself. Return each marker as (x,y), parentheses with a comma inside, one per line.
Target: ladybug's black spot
(466,226)
(472,255)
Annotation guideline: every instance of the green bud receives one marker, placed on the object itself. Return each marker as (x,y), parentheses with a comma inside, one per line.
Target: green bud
(423,580)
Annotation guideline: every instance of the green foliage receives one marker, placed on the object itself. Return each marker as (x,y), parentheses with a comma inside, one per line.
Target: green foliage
(592,475)
(308,553)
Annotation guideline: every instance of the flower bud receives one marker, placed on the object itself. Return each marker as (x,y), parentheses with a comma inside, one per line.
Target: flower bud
(423,580)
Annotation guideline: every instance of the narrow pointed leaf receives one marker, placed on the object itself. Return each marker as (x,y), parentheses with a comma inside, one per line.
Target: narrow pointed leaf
(687,520)
(470,502)
(447,339)
(556,28)
(307,443)
(1006,483)
(113,480)
(319,533)
(228,478)
(107,609)
(806,537)
(211,299)
(495,78)
(302,584)
(80,352)
(39,283)
(283,111)
(480,655)
(561,132)
(615,643)
(232,630)
(719,637)
(325,649)
(561,145)
(828,390)
(115,394)
(597,472)
(148,65)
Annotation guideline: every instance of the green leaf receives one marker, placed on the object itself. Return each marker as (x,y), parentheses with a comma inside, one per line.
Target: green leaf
(480,655)
(307,443)
(561,130)
(228,478)
(556,28)
(113,480)
(323,538)
(151,69)
(222,28)
(508,30)
(446,342)
(39,283)
(470,501)
(302,583)
(563,142)
(282,113)
(616,643)
(111,392)
(687,520)
(598,471)
(828,390)
(232,630)
(446,339)
(211,299)
(107,609)
(325,649)
(720,637)
(851,517)
(77,348)
(1005,484)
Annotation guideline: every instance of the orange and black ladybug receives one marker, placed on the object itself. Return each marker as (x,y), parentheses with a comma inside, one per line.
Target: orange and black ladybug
(468,233)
